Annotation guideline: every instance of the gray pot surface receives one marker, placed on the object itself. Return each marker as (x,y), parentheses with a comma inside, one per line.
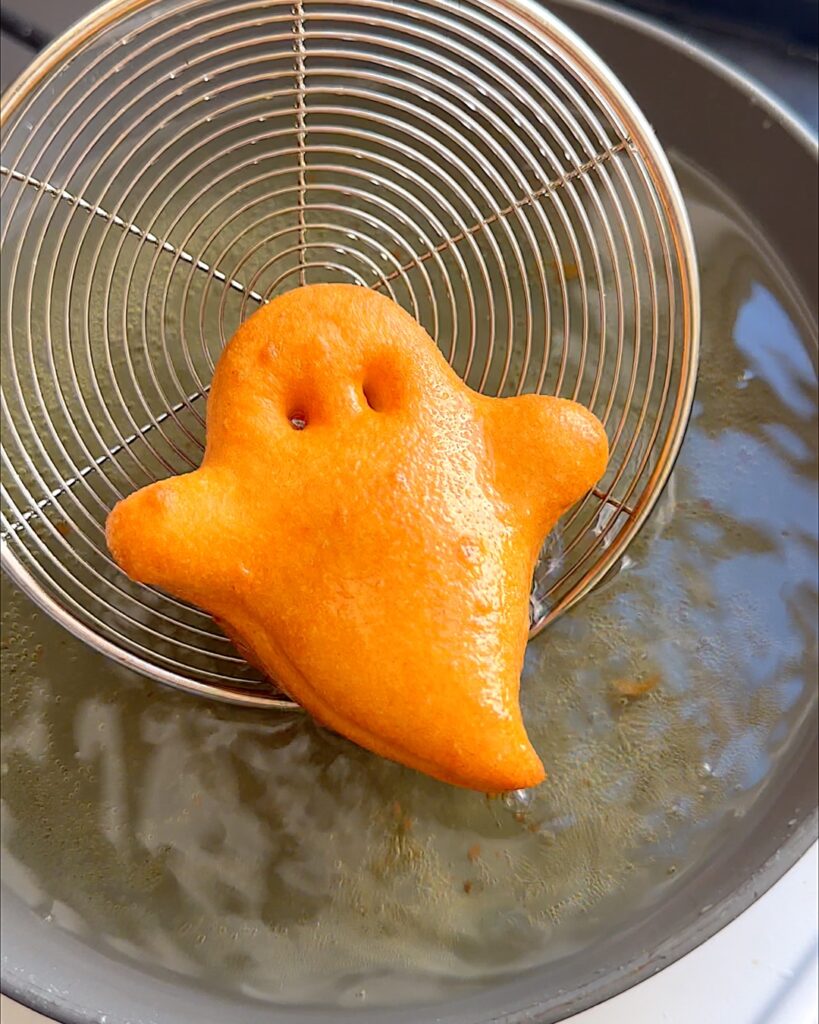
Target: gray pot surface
(171,860)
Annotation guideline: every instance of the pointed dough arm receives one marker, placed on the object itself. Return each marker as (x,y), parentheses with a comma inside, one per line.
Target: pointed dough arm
(186,516)
(548,453)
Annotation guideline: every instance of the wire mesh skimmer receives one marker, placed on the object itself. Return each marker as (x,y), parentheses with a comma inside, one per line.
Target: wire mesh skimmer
(171,164)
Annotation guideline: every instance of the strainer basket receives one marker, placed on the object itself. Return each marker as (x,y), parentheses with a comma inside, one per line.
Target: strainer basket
(168,166)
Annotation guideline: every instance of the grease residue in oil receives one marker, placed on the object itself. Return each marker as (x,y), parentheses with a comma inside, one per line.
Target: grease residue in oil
(260,855)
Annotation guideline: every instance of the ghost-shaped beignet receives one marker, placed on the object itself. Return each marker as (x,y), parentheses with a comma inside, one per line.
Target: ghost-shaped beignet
(365,528)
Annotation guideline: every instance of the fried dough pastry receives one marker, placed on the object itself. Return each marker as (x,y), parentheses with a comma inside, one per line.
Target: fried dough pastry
(365,527)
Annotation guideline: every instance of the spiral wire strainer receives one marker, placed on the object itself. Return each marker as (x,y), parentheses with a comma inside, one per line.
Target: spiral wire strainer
(171,164)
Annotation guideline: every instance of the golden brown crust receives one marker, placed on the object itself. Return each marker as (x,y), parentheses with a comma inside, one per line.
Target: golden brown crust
(376,562)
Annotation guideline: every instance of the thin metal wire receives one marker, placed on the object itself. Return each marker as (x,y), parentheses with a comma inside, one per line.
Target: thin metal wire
(301,135)
(470,159)
(146,236)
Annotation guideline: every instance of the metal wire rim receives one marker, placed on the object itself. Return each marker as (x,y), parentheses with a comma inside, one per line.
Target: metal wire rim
(475,161)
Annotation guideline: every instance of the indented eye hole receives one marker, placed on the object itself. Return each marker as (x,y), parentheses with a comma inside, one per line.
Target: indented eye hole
(298,419)
(372,396)
(382,386)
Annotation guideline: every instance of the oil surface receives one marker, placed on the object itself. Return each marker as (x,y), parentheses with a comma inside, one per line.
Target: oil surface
(258,854)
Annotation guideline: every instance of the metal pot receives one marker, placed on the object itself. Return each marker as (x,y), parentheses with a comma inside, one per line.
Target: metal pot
(732,136)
